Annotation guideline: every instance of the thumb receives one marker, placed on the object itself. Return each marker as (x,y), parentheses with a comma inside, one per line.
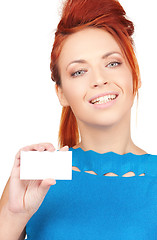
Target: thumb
(45,185)
(65,148)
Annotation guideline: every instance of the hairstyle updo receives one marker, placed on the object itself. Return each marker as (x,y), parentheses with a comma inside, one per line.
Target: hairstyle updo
(79,14)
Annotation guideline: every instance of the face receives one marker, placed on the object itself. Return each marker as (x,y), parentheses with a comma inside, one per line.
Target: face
(91,64)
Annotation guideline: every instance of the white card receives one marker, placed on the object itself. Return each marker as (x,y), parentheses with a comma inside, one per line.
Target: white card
(42,165)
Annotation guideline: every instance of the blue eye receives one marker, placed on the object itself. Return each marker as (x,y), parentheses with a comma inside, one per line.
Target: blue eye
(77,73)
(113,64)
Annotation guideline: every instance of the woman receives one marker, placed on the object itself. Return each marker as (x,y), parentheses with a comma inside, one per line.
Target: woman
(97,78)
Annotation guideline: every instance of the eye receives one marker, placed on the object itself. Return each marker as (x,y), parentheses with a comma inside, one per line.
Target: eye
(113,64)
(78,73)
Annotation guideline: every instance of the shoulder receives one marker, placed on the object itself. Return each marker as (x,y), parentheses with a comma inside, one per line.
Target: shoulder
(151,164)
(138,151)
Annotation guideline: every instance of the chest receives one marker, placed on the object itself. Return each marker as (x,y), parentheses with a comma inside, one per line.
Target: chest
(111,174)
(93,207)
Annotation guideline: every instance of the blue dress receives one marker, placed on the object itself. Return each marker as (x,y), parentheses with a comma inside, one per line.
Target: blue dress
(98,207)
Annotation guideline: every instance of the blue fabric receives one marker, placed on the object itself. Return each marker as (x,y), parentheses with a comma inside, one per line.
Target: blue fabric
(98,207)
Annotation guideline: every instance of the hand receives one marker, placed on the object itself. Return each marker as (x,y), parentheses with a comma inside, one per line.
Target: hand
(25,196)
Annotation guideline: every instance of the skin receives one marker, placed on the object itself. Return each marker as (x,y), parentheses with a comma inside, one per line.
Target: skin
(101,130)
(22,198)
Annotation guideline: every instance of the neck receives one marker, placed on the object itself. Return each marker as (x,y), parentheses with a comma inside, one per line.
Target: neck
(115,138)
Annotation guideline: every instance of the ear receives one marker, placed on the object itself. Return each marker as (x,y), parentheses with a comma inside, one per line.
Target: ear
(62,99)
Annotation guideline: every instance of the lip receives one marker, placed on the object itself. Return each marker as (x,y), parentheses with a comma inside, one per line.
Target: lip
(103,94)
(104,105)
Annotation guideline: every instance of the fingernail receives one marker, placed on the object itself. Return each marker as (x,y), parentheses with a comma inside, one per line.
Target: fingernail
(53,182)
(66,148)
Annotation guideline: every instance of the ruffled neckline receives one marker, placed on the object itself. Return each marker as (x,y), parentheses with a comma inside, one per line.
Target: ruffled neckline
(111,152)
(102,163)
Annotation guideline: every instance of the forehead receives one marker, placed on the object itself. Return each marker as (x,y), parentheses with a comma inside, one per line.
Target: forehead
(87,43)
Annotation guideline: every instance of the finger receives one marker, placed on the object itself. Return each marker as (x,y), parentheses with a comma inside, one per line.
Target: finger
(18,156)
(15,172)
(45,147)
(47,182)
(40,147)
(17,159)
(65,148)
(49,147)
(45,185)
(33,147)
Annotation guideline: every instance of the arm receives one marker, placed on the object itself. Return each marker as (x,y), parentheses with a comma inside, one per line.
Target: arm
(21,198)
(12,225)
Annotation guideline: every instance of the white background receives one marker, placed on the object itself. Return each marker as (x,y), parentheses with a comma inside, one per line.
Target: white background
(30,110)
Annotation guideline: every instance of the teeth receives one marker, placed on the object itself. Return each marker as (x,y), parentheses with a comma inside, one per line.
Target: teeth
(103,99)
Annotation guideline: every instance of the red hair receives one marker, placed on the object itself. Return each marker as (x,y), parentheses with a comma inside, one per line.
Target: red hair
(79,14)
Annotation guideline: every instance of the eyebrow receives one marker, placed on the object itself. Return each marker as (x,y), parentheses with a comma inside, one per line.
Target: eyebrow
(106,55)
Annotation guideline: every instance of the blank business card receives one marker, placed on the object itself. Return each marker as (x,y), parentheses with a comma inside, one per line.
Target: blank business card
(41,165)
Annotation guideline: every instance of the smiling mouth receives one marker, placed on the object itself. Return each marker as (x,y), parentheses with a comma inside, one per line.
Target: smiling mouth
(104,99)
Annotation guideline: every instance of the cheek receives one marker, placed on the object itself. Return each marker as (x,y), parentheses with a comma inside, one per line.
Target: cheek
(129,97)
(74,92)
(128,81)
(126,85)
(129,84)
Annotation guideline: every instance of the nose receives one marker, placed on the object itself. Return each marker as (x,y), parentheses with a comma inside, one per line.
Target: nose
(98,79)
